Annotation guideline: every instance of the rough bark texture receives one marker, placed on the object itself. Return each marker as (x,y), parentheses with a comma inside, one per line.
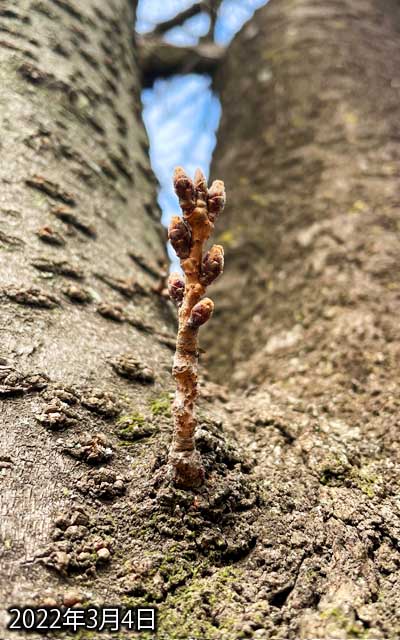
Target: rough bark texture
(85,374)
(295,532)
(309,151)
(83,336)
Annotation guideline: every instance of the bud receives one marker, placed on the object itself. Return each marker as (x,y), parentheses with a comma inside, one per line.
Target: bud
(201,312)
(200,184)
(184,189)
(216,199)
(213,265)
(180,237)
(176,288)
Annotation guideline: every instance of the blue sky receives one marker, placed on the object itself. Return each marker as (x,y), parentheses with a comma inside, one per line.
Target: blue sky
(182,113)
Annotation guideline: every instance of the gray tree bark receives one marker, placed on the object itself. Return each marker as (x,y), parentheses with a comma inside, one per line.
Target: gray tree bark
(84,336)
(308,325)
(295,532)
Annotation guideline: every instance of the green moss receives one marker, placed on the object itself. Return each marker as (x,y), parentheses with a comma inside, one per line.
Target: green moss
(85,634)
(191,591)
(365,480)
(280,56)
(338,472)
(352,628)
(334,471)
(133,427)
(259,199)
(173,572)
(332,613)
(161,406)
(176,614)
(311,574)
(232,237)
(134,418)
(227,238)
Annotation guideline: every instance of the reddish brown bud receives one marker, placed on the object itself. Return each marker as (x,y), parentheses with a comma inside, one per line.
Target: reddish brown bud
(201,312)
(176,288)
(184,189)
(216,199)
(200,184)
(179,236)
(213,265)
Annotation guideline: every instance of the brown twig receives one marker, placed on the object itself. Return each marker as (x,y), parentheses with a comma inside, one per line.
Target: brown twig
(179,19)
(159,59)
(200,207)
(212,8)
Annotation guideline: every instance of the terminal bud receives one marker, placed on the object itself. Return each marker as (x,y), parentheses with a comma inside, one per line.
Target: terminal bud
(200,184)
(185,190)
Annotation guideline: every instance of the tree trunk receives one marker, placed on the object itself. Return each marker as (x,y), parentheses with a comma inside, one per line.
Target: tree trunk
(84,334)
(306,318)
(87,514)
(295,532)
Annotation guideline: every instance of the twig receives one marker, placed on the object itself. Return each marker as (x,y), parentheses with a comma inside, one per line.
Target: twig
(200,207)
(212,8)
(158,59)
(179,19)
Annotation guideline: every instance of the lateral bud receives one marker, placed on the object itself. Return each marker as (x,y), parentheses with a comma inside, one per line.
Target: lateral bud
(201,312)
(213,265)
(185,190)
(216,199)
(179,236)
(176,288)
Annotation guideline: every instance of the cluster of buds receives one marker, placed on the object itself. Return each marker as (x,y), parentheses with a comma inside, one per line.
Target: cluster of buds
(188,235)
